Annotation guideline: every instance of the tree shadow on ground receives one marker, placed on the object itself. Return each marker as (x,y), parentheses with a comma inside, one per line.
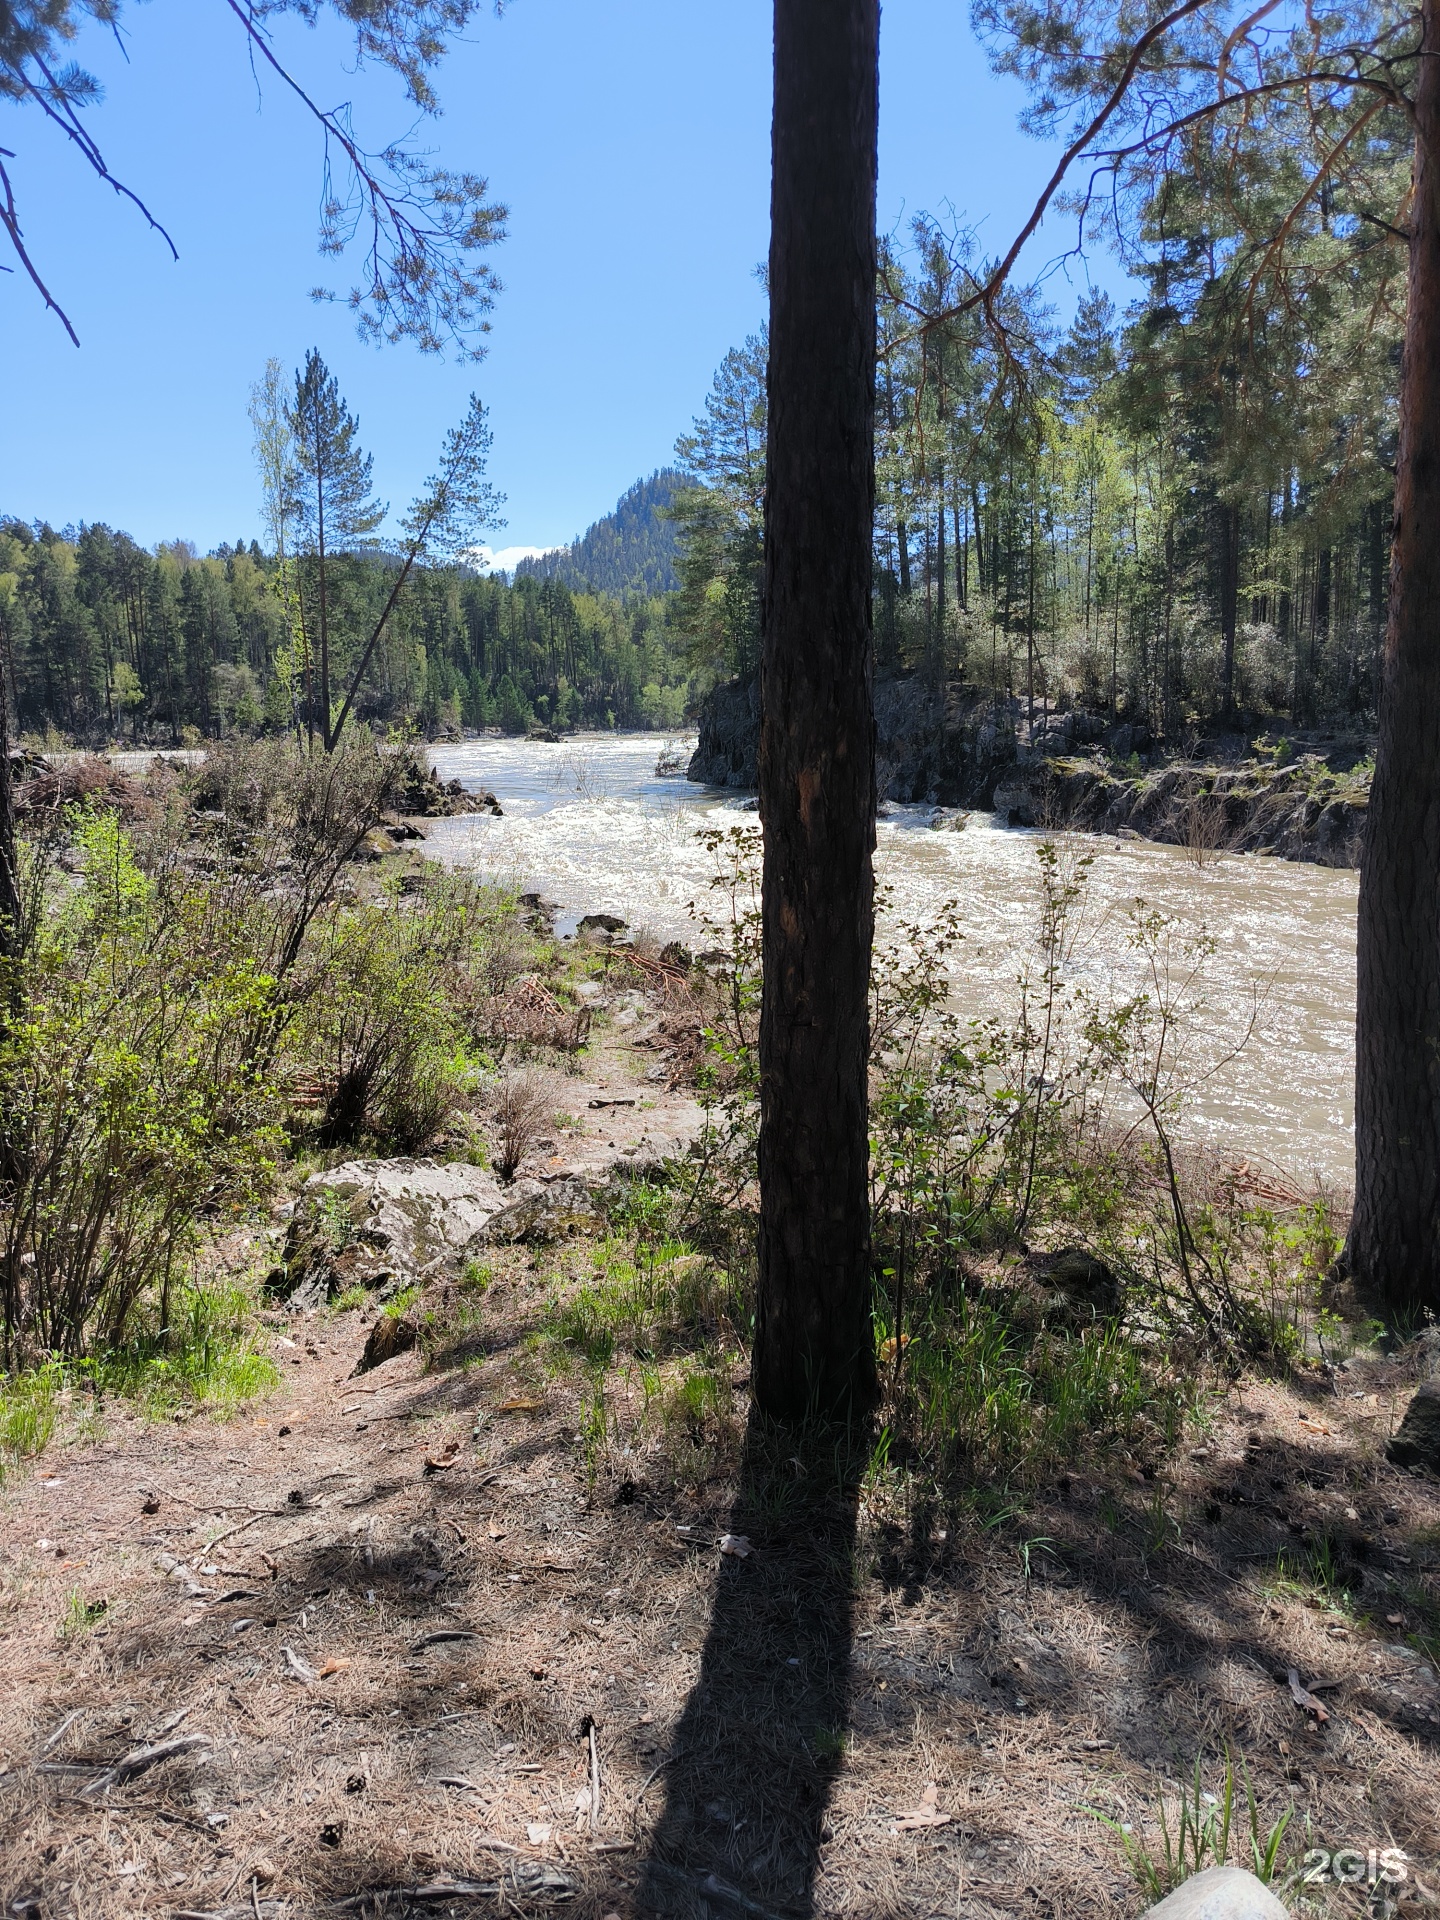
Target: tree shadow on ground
(756,1752)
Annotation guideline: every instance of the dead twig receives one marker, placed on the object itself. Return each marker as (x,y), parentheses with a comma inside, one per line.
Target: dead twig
(140,1760)
(59,1732)
(260,1513)
(655,1773)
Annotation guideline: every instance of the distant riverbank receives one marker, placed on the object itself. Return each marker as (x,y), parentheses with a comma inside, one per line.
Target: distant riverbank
(1300,798)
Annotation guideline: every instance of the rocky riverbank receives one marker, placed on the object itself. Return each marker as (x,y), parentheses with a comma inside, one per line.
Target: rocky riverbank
(952,747)
(1305,811)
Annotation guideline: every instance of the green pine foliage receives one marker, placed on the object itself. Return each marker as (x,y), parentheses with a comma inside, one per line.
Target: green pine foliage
(110,641)
(1141,512)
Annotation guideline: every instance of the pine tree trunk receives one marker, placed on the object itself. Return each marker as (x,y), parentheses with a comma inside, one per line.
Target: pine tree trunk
(1229,603)
(9,858)
(814,1350)
(1394,1247)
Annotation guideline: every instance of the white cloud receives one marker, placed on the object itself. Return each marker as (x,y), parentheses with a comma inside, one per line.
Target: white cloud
(505,559)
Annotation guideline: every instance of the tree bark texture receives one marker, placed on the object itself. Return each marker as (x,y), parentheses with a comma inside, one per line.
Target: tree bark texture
(814,1346)
(1229,602)
(9,854)
(1394,1247)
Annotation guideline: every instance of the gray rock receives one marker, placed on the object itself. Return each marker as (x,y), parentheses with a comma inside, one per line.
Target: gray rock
(1087,1283)
(1416,1442)
(600,926)
(558,1212)
(1219,1893)
(380,1224)
(940,745)
(1016,800)
(729,743)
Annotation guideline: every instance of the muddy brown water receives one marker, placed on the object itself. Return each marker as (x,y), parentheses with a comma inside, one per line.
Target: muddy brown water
(589,823)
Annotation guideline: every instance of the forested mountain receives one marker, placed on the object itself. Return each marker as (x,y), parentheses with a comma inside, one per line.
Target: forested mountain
(108,640)
(630,551)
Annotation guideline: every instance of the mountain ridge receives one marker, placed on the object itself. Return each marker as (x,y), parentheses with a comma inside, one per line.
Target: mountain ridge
(631,550)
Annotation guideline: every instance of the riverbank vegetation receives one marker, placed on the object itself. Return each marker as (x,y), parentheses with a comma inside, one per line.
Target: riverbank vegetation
(225,971)
(1123,1402)
(205,986)
(1171,513)
(110,642)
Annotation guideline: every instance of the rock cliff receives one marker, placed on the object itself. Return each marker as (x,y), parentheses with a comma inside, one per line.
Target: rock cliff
(1308,811)
(953,746)
(946,746)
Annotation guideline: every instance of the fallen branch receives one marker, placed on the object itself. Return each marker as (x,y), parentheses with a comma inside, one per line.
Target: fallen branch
(140,1760)
(535,1879)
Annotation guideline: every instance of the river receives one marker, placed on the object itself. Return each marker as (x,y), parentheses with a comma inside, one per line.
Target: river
(589,823)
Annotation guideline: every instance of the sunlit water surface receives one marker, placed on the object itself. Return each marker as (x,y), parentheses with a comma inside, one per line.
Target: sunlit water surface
(589,823)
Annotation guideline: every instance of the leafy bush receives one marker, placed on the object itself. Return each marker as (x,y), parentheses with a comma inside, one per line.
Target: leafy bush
(371,1020)
(1052,1123)
(157,1005)
(134,1094)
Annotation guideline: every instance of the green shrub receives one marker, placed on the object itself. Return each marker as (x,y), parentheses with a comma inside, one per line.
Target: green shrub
(380,1003)
(135,1098)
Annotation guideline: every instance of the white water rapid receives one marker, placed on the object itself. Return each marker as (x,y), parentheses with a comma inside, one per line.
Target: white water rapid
(588,823)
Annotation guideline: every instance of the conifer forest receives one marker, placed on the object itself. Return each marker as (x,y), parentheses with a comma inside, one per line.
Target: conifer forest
(1176,513)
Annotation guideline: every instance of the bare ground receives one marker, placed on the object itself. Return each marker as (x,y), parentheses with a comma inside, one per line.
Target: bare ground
(282,1587)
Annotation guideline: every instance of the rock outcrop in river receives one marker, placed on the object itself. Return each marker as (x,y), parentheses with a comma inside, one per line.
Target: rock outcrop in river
(947,746)
(1308,811)
(953,746)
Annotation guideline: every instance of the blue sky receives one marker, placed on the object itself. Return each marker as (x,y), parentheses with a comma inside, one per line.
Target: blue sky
(630,140)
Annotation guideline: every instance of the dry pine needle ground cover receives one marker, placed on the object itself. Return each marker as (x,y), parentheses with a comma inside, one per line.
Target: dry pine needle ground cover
(423,1647)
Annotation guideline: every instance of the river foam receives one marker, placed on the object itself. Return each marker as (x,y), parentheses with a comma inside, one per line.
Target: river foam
(590,824)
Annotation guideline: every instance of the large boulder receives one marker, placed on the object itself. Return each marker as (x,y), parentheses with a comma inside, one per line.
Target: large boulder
(1065,1291)
(560,1211)
(420,791)
(382,1224)
(1219,1893)
(1416,1442)
(1017,800)
(936,745)
(1084,1287)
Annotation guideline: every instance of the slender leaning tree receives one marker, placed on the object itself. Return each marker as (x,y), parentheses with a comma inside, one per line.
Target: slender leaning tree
(814,1348)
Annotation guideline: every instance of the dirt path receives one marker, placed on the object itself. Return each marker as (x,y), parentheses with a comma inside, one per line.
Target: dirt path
(427,1638)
